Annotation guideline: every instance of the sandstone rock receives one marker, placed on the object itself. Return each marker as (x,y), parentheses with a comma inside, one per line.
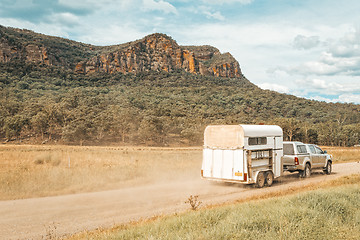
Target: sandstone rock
(36,54)
(31,53)
(155,52)
(158,52)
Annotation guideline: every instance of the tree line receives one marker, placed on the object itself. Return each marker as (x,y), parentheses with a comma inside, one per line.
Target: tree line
(49,104)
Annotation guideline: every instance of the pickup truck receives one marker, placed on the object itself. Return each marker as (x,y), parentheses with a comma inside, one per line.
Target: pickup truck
(305,157)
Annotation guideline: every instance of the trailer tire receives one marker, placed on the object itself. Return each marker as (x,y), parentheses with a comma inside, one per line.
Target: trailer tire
(269,178)
(307,171)
(328,168)
(260,180)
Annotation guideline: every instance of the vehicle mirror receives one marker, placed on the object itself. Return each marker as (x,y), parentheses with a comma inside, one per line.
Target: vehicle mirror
(325,152)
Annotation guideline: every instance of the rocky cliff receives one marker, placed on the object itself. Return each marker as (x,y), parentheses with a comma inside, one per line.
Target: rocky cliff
(30,53)
(159,52)
(155,52)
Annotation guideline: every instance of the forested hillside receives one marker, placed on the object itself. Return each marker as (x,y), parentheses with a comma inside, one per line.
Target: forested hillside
(155,108)
(42,102)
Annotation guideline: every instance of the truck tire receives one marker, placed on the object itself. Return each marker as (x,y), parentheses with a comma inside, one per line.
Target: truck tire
(307,171)
(260,180)
(328,168)
(269,178)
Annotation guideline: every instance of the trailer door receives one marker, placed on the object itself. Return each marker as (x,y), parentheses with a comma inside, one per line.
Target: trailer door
(223,164)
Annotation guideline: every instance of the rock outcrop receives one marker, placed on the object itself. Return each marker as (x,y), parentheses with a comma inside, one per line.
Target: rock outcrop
(30,53)
(158,52)
(155,52)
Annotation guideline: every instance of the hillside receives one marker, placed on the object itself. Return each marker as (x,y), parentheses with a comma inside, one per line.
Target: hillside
(156,52)
(151,91)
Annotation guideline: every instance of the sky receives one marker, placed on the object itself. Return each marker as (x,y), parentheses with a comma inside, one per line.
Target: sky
(306,48)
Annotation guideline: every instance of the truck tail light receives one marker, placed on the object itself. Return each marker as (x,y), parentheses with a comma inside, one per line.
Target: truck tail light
(245,176)
(202,172)
(296,161)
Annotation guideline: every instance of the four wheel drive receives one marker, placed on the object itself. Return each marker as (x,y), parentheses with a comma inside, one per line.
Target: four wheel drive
(320,159)
(305,157)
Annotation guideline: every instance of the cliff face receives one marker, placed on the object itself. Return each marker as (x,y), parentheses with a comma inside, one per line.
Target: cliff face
(29,53)
(156,52)
(159,52)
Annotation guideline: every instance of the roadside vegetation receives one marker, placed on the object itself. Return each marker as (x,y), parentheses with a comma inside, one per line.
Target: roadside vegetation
(329,213)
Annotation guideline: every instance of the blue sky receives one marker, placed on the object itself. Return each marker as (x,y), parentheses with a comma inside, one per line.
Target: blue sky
(306,48)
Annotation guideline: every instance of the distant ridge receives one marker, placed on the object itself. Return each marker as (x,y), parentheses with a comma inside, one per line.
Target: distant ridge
(155,52)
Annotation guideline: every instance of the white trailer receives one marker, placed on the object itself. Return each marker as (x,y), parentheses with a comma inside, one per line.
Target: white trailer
(243,153)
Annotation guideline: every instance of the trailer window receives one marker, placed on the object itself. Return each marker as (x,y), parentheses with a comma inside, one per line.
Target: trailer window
(288,149)
(257,141)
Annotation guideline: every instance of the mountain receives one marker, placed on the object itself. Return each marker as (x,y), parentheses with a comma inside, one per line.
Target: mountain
(156,52)
(150,91)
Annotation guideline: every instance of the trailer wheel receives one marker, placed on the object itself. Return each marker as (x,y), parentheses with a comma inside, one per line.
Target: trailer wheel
(328,168)
(260,180)
(269,178)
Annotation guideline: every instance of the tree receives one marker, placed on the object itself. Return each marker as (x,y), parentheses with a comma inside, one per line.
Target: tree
(13,126)
(40,123)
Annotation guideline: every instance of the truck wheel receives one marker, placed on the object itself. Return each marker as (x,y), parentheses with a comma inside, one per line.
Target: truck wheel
(328,168)
(307,171)
(269,178)
(260,180)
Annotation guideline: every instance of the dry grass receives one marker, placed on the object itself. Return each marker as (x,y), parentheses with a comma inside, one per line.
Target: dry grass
(328,211)
(344,154)
(36,171)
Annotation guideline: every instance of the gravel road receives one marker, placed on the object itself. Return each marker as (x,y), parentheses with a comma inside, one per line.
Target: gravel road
(68,214)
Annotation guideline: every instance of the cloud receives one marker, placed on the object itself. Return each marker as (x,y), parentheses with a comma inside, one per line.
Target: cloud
(315,68)
(350,98)
(303,43)
(344,98)
(348,46)
(274,87)
(221,2)
(48,28)
(160,5)
(327,87)
(112,34)
(65,18)
(323,99)
(335,57)
(216,15)
(38,11)
(85,3)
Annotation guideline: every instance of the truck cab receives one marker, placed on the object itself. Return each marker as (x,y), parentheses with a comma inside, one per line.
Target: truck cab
(320,159)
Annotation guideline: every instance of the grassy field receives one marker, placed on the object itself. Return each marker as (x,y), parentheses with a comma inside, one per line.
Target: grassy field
(34,171)
(330,213)
(344,154)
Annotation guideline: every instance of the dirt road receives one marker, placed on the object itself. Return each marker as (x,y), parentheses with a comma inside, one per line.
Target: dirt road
(62,215)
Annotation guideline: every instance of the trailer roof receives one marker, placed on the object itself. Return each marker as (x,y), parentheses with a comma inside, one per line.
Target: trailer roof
(232,136)
(261,130)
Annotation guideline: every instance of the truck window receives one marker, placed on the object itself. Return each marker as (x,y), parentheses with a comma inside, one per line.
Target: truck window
(301,148)
(257,141)
(288,149)
(318,150)
(312,149)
